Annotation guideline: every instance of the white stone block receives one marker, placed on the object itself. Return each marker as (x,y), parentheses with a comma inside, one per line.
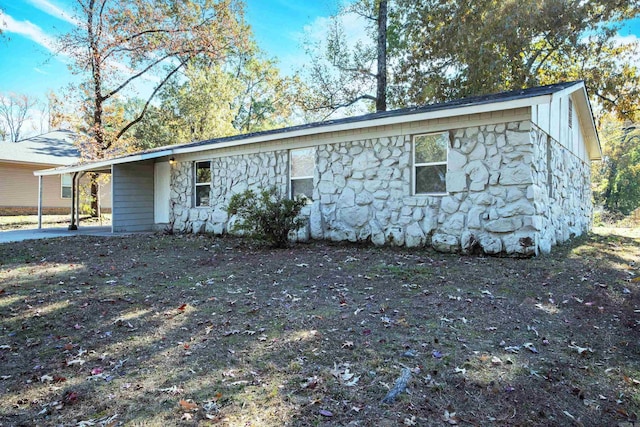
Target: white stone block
(445,243)
(490,244)
(474,217)
(520,174)
(395,236)
(449,205)
(456,181)
(377,234)
(414,236)
(504,225)
(455,160)
(522,207)
(478,153)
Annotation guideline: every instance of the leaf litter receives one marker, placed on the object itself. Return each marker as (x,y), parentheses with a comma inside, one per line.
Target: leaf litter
(315,334)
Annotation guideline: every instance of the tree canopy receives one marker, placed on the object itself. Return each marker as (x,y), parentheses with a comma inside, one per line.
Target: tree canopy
(441,50)
(449,49)
(120,45)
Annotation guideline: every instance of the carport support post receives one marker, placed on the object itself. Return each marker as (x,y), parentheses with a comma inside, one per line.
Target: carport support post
(39,201)
(74,196)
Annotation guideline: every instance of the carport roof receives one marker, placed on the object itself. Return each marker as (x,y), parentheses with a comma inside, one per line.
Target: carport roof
(485,103)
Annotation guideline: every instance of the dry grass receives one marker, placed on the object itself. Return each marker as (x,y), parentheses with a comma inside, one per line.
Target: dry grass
(21,222)
(192,330)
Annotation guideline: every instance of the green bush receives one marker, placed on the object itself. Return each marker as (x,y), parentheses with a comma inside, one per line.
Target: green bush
(267,215)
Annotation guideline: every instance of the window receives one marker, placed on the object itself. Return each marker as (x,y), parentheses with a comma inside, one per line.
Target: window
(66,181)
(302,166)
(202,183)
(430,163)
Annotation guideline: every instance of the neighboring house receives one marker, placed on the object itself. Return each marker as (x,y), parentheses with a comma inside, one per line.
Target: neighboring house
(18,185)
(505,173)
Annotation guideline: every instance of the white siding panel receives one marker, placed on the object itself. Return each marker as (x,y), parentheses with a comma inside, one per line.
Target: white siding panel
(162,191)
(554,119)
(543,117)
(132,197)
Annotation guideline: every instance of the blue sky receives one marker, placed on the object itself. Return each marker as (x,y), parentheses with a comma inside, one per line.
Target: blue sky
(29,65)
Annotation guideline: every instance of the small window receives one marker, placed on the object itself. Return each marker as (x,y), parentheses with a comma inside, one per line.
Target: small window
(202,183)
(302,166)
(430,163)
(66,182)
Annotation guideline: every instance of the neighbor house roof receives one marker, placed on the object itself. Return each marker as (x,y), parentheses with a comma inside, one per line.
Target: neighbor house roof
(52,148)
(472,105)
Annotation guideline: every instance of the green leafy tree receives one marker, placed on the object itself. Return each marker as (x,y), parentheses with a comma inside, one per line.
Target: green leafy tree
(449,49)
(120,43)
(267,215)
(341,76)
(615,179)
(244,94)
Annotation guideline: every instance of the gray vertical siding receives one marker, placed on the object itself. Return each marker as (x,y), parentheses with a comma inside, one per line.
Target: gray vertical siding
(132,197)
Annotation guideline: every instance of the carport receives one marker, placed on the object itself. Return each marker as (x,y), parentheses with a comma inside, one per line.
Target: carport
(139,192)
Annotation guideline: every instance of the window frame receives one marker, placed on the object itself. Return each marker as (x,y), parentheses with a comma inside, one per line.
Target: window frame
(416,165)
(300,178)
(63,186)
(197,184)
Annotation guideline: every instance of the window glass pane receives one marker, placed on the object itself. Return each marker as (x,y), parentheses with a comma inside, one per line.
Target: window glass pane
(203,172)
(431,179)
(66,180)
(302,187)
(431,148)
(302,162)
(203,193)
(66,192)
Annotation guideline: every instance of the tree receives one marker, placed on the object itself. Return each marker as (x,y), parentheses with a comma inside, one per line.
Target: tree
(615,179)
(244,94)
(14,112)
(450,49)
(120,43)
(340,76)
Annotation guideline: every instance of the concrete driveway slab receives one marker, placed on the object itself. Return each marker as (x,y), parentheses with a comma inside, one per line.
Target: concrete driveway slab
(45,233)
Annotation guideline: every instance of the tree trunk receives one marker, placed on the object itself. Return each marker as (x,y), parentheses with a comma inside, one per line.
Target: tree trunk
(94,194)
(381,92)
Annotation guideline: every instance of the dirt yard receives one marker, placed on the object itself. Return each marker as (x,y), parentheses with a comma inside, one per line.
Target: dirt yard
(194,330)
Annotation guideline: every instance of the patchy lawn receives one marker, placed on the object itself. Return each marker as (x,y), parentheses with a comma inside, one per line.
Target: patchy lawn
(21,222)
(193,330)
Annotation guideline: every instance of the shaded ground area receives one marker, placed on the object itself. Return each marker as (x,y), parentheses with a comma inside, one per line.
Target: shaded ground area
(194,330)
(21,222)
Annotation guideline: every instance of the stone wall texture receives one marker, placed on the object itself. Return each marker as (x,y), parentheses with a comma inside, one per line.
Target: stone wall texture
(511,189)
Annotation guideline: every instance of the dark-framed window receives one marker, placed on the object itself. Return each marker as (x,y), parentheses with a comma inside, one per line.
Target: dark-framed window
(202,183)
(430,163)
(302,165)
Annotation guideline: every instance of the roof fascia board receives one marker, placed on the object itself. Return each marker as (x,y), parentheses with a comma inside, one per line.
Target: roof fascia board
(104,164)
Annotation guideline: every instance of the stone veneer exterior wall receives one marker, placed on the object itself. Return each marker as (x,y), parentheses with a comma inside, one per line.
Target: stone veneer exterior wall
(511,189)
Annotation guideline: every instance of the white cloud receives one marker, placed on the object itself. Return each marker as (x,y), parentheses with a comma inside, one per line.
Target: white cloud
(28,30)
(55,11)
(38,70)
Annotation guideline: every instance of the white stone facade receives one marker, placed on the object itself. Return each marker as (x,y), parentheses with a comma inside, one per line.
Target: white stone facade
(511,189)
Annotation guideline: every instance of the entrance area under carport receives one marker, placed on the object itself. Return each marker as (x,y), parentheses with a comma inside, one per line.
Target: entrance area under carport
(140,191)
